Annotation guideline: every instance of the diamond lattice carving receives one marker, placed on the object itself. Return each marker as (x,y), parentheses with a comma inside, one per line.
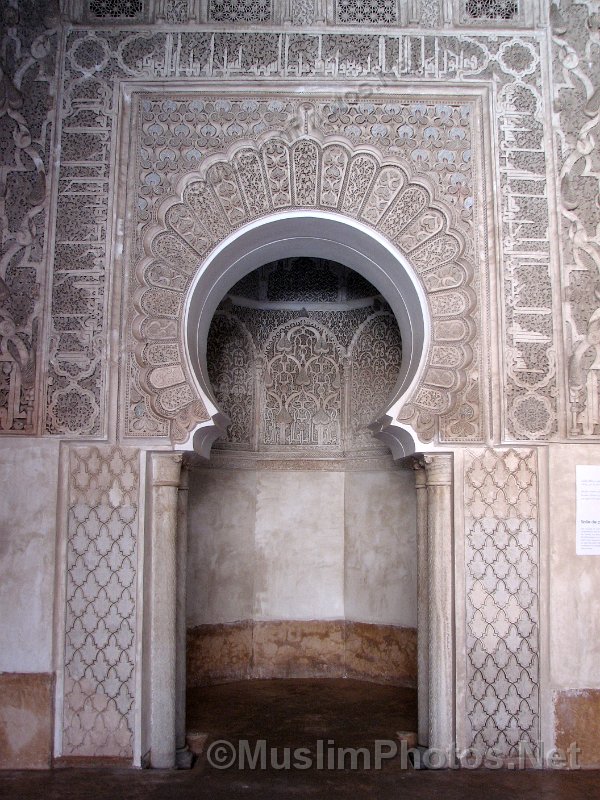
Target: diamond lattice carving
(101,602)
(502,579)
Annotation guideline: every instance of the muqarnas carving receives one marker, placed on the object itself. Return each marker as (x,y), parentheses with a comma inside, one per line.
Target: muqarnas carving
(303,379)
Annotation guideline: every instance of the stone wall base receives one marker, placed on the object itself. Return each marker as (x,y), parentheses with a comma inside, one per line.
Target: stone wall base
(576,715)
(301,649)
(26,703)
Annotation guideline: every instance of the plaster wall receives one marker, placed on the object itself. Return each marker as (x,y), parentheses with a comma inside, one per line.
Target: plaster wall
(574,580)
(573,625)
(28,475)
(299,541)
(220,564)
(301,545)
(380,548)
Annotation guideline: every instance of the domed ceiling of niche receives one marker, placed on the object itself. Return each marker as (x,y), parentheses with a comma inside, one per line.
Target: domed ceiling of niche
(303,354)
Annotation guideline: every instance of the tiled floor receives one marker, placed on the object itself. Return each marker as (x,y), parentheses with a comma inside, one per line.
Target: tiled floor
(301,723)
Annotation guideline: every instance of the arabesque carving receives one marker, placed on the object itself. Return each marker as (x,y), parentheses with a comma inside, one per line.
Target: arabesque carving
(576,47)
(303,381)
(302,387)
(425,134)
(27,87)
(231,359)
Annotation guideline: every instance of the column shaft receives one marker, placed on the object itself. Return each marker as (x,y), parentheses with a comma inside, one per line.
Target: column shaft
(441,610)
(182,521)
(422,605)
(164,481)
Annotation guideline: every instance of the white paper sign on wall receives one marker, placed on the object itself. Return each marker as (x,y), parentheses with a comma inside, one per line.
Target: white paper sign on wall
(588,509)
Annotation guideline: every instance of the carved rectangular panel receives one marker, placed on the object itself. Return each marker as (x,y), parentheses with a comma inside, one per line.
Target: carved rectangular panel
(502,599)
(26,127)
(489,10)
(116,9)
(100,628)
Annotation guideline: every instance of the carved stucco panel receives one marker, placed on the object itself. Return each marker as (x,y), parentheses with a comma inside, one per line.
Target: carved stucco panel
(100,613)
(309,382)
(508,64)
(502,566)
(299,13)
(27,88)
(189,224)
(576,49)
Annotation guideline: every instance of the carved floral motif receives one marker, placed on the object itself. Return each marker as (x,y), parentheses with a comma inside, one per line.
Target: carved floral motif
(27,87)
(424,228)
(510,64)
(576,47)
(312,389)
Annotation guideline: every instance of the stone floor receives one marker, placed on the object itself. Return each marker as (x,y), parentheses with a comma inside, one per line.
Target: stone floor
(300,714)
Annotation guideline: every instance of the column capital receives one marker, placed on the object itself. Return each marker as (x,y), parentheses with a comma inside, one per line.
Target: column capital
(439,469)
(166,468)
(418,465)
(184,478)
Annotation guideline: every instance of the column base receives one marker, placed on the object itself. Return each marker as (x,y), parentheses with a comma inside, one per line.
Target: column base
(184,758)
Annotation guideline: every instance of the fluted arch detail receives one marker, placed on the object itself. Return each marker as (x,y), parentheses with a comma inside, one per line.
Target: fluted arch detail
(256,179)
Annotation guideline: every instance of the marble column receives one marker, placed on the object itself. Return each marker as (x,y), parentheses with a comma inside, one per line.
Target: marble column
(422,603)
(438,471)
(165,471)
(183,754)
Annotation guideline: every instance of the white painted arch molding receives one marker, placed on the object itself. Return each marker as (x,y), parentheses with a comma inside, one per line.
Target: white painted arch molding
(274,199)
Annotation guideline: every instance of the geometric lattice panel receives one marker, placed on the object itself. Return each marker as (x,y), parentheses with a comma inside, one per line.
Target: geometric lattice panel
(366,12)
(240,11)
(123,9)
(491,9)
(100,602)
(502,595)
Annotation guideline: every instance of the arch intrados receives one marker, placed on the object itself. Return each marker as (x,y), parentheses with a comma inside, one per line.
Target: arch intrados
(311,234)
